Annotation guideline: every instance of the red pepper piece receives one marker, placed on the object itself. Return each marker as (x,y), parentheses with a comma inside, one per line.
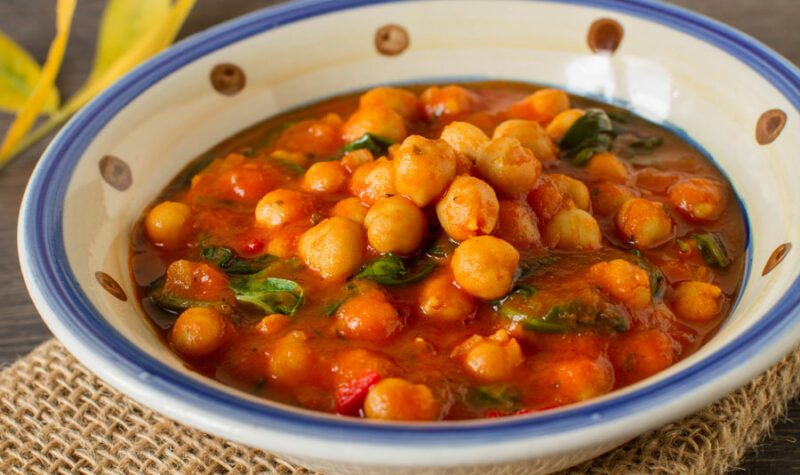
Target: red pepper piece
(350,396)
(254,246)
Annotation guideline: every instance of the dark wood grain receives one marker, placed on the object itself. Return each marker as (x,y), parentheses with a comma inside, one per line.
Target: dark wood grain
(29,22)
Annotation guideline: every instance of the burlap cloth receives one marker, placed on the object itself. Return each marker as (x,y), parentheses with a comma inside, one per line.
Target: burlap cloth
(59,418)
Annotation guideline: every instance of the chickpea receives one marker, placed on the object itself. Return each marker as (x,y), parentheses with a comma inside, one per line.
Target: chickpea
(573,229)
(283,206)
(572,189)
(508,166)
(468,208)
(169,225)
(562,122)
(352,160)
(197,281)
(607,197)
(423,168)
(531,135)
(578,378)
(644,223)
(373,181)
(624,281)
(484,266)
(368,317)
(697,301)
(291,359)
(380,121)
(517,224)
(333,247)
(395,225)
(283,241)
(699,199)
(273,324)
(447,101)
(401,101)
(351,208)
(325,177)
(490,359)
(292,157)
(441,301)
(198,332)
(606,166)
(641,354)
(545,198)
(541,106)
(245,183)
(465,138)
(311,137)
(353,363)
(396,399)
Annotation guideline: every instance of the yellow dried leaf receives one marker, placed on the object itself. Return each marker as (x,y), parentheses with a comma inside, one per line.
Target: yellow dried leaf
(27,114)
(124,23)
(19,74)
(156,39)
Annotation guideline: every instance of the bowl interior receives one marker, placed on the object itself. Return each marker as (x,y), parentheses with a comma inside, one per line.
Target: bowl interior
(153,124)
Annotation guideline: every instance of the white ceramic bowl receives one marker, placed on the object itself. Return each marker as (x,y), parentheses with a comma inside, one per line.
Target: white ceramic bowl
(702,79)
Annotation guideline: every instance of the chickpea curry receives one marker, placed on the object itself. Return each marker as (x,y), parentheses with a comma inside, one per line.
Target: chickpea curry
(444,252)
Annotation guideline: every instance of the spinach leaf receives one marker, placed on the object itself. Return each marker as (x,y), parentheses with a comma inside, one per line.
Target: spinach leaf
(523,289)
(494,396)
(271,294)
(712,249)
(228,262)
(376,144)
(390,270)
(334,306)
(571,317)
(164,299)
(533,267)
(291,166)
(591,133)
(644,145)
(441,247)
(654,274)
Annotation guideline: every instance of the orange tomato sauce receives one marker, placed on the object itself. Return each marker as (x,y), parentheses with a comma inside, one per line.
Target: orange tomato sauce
(564,329)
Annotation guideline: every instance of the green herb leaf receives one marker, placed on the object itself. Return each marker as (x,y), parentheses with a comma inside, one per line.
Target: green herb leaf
(712,249)
(493,396)
(390,270)
(682,245)
(654,274)
(271,294)
(376,144)
(333,307)
(230,263)
(162,298)
(270,137)
(534,267)
(644,145)
(441,247)
(592,133)
(572,317)
(291,166)
(523,289)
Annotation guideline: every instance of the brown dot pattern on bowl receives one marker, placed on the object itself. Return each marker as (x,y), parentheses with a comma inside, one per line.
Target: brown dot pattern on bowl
(605,34)
(770,125)
(110,285)
(776,257)
(227,78)
(115,172)
(391,39)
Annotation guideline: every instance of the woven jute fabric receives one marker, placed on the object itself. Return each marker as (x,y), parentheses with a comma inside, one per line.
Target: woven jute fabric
(59,418)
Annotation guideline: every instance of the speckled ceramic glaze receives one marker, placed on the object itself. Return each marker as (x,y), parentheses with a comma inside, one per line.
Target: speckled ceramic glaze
(727,93)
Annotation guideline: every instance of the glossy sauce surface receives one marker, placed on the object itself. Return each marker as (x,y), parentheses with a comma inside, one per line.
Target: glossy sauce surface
(582,313)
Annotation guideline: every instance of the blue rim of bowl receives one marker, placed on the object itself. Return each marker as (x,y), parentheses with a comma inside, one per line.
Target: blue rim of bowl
(47,265)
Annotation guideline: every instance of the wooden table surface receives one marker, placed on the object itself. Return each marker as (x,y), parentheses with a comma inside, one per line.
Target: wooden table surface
(29,22)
